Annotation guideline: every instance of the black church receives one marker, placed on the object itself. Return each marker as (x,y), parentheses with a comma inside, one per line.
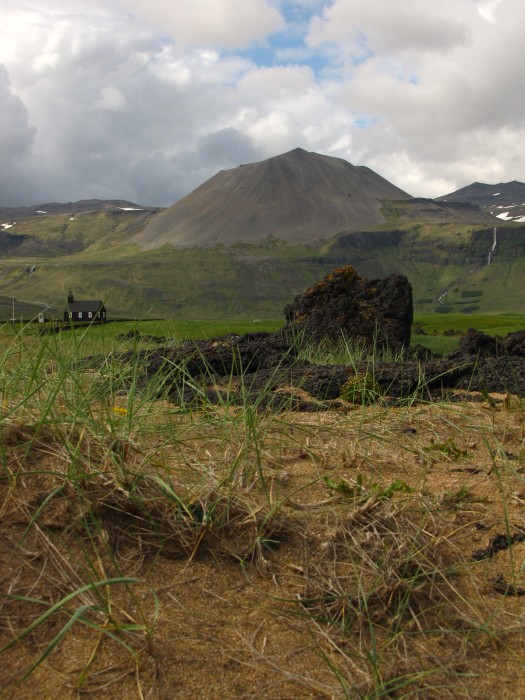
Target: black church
(84,311)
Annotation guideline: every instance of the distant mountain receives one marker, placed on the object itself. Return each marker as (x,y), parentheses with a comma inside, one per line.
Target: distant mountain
(297,197)
(248,240)
(419,209)
(9,214)
(505,200)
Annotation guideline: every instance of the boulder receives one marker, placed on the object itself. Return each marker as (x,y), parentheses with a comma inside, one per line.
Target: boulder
(372,312)
(474,342)
(514,343)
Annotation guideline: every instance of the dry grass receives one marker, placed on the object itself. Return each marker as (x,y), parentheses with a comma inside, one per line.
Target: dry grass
(153,552)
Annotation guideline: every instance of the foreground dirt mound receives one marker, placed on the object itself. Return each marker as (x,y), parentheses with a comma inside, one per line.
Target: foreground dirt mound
(375,313)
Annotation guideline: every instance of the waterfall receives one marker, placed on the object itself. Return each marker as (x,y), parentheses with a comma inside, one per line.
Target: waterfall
(493,246)
(442,296)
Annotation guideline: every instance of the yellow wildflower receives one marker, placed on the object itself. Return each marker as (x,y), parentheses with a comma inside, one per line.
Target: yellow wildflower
(120,410)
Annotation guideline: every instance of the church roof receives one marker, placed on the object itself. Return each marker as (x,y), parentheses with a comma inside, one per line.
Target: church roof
(93,306)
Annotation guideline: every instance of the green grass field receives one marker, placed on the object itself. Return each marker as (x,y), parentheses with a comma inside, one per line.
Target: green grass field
(492,324)
(434,325)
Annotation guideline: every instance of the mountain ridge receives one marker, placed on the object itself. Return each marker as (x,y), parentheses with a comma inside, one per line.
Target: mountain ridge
(81,206)
(505,200)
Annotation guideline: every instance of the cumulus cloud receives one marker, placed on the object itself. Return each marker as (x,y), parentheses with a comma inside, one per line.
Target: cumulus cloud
(379,26)
(145,100)
(220,23)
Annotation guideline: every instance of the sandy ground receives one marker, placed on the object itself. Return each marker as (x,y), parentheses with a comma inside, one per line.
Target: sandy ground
(361,559)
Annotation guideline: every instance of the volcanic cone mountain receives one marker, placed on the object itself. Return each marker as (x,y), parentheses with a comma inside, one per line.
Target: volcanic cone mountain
(298,197)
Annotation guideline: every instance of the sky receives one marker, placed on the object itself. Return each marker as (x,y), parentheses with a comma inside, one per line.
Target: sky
(144,100)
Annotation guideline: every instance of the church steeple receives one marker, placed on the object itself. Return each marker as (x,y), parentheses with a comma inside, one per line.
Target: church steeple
(70,298)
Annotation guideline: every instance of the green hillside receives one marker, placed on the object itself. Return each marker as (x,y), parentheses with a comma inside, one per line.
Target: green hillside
(42,257)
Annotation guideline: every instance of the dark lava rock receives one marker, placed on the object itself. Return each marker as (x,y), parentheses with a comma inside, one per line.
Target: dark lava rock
(263,369)
(482,345)
(497,544)
(433,378)
(231,355)
(377,311)
(475,342)
(514,343)
(256,367)
(419,352)
(501,585)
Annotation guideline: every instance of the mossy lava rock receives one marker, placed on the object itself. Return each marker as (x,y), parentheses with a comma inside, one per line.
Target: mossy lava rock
(376,312)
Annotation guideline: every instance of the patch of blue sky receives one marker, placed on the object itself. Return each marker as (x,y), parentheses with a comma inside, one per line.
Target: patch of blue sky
(365,122)
(405,75)
(271,56)
(288,47)
(361,50)
(302,10)
(303,56)
(260,55)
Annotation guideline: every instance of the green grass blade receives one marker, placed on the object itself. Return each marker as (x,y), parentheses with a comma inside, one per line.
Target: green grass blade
(61,603)
(56,639)
(40,508)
